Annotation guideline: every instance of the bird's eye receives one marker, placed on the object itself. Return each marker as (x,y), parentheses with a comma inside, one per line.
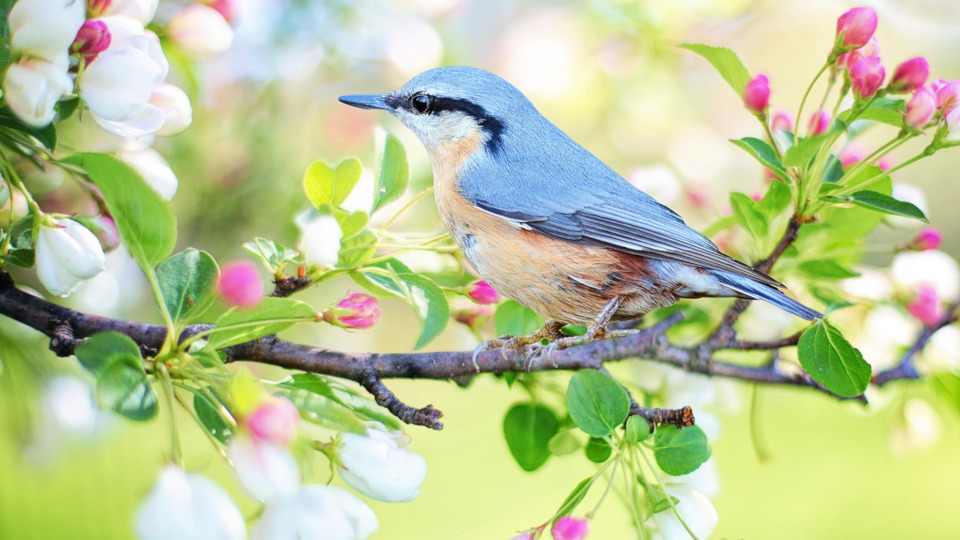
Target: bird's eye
(421,103)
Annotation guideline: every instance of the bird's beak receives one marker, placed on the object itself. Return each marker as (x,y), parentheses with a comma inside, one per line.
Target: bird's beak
(367,101)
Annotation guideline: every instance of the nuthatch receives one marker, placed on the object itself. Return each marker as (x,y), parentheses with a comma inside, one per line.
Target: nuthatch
(546,222)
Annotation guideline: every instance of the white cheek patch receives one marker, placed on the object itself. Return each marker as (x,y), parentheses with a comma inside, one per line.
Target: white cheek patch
(435,130)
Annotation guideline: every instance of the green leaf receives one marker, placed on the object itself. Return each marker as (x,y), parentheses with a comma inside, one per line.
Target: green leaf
(573,330)
(825,269)
(726,62)
(884,110)
(123,386)
(66,107)
(680,451)
(947,386)
(187,282)
(764,153)
(311,383)
(323,411)
(776,200)
(378,283)
(723,223)
(270,317)
(100,350)
(563,443)
(428,303)
(830,359)
(597,450)
(144,220)
(210,418)
(879,202)
(575,497)
(638,430)
(528,428)
(360,406)
(514,319)
(273,253)
(394,173)
(746,212)
(351,223)
(801,154)
(21,243)
(596,402)
(46,135)
(326,185)
(356,250)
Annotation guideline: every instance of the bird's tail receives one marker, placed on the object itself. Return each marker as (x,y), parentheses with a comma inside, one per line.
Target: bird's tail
(759,291)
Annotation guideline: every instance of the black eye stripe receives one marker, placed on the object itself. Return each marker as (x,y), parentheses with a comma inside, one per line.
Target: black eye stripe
(438,104)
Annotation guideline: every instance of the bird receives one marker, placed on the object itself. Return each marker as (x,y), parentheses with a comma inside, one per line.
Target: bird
(547,223)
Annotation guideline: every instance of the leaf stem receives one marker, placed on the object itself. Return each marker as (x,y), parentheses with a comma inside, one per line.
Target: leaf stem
(405,207)
(204,333)
(806,93)
(667,493)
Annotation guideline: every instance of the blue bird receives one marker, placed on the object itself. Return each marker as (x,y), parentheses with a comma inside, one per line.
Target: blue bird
(548,224)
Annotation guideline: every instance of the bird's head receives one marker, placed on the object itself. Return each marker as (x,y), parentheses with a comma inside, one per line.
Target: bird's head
(450,107)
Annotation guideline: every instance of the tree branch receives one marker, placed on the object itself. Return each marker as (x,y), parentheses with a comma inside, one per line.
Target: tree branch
(905,368)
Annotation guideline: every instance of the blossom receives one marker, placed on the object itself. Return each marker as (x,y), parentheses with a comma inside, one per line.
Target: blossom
(697,511)
(926,307)
(872,48)
(928,238)
(482,293)
(857,27)
(44,29)
(119,85)
(756,94)
(240,285)
(948,96)
(141,11)
(175,106)
(781,121)
(380,464)
(266,470)
(357,310)
(154,170)
(920,108)
(33,86)
(569,528)
(92,39)
(527,535)
(105,229)
(67,254)
(910,75)
(201,31)
(910,270)
(866,76)
(188,506)
(275,420)
(316,512)
(227,8)
(952,121)
(320,241)
(819,122)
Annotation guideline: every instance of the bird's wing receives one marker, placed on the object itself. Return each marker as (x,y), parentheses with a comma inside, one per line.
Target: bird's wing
(589,203)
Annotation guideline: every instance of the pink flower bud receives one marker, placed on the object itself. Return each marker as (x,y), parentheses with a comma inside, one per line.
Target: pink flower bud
(851,155)
(363,311)
(948,96)
(857,27)
(227,8)
(756,95)
(569,528)
(926,307)
(92,39)
(866,76)
(937,85)
(781,121)
(275,420)
(819,122)
(106,231)
(921,107)
(476,315)
(240,284)
(910,75)
(482,293)
(926,239)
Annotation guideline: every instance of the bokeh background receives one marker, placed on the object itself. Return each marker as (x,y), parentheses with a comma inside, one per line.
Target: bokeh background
(790,463)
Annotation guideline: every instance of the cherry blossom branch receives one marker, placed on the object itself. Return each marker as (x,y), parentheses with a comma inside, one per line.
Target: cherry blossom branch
(905,369)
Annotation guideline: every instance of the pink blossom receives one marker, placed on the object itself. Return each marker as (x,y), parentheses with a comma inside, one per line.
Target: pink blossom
(926,307)
(866,76)
(921,107)
(846,60)
(523,536)
(227,8)
(926,239)
(92,39)
(851,155)
(275,420)
(473,316)
(756,95)
(819,122)
(362,311)
(569,528)
(240,284)
(948,96)
(781,121)
(857,27)
(910,75)
(482,293)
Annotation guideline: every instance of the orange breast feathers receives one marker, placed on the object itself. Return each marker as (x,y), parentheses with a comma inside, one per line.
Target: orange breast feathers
(557,279)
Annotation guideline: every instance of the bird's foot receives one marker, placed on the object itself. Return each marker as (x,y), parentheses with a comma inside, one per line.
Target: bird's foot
(548,333)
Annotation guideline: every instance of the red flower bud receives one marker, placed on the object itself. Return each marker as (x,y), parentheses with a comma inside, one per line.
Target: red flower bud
(569,528)
(857,27)
(819,122)
(921,107)
(756,95)
(482,293)
(240,284)
(92,39)
(362,311)
(926,239)
(275,420)
(910,75)
(866,77)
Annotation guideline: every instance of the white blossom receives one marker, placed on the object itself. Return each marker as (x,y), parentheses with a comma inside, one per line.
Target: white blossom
(188,506)
(911,269)
(200,31)
(316,512)
(266,470)
(139,10)
(153,168)
(32,87)
(320,240)
(67,253)
(697,511)
(175,106)
(45,28)
(381,465)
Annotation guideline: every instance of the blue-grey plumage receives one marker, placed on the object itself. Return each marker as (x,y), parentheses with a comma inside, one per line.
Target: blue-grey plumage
(544,220)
